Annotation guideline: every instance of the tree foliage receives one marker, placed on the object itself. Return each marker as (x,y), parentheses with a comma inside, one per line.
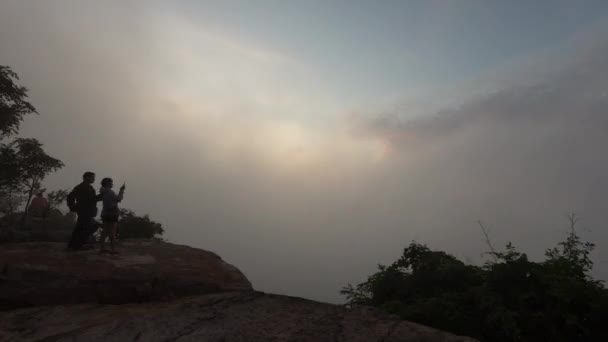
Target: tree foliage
(10,201)
(32,165)
(13,102)
(508,299)
(23,161)
(133,226)
(56,198)
(9,167)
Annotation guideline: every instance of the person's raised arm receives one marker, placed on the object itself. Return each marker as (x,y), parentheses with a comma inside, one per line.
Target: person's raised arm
(121,193)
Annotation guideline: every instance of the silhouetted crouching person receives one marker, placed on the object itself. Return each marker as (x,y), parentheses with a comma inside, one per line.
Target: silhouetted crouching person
(38,211)
(110,212)
(83,201)
(40,205)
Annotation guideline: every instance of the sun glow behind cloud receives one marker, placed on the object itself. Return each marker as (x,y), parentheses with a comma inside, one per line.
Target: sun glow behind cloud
(230,123)
(237,100)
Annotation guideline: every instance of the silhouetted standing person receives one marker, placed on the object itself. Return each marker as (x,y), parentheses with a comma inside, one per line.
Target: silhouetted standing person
(83,201)
(110,212)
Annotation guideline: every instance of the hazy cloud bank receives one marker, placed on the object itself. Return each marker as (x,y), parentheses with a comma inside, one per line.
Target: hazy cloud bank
(241,149)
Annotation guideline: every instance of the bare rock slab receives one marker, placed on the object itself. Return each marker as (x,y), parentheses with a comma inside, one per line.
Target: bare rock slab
(226,317)
(45,273)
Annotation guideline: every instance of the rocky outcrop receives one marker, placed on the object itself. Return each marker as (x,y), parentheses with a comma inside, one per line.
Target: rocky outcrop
(244,316)
(44,273)
(167,292)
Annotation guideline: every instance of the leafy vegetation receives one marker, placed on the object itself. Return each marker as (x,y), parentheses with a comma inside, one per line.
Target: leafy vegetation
(56,198)
(23,161)
(13,103)
(133,226)
(508,299)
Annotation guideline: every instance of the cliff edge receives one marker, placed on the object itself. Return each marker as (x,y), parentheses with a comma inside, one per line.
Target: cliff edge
(157,291)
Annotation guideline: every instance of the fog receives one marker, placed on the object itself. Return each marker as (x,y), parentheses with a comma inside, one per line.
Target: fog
(244,150)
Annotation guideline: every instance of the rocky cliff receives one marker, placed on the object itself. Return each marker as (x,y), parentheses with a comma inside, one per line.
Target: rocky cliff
(157,291)
(44,273)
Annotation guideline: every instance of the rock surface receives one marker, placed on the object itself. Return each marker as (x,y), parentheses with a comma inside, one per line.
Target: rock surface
(44,273)
(237,316)
(167,292)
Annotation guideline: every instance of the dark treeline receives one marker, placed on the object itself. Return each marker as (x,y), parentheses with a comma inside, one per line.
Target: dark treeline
(510,298)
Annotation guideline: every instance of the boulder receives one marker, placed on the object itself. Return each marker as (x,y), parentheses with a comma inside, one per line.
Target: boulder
(237,316)
(45,273)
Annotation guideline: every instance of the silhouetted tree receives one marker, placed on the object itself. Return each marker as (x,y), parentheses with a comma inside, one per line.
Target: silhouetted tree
(13,107)
(133,226)
(13,103)
(56,198)
(9,167)
(33,165)
(10,198)
(510,298)
(23,162)
(10,201)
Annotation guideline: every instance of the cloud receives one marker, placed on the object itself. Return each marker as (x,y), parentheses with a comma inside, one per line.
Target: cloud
(239,148)
(518,156)
(575,97)
(230,144)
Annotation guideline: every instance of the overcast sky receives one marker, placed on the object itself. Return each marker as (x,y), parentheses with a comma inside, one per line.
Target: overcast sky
(307,141)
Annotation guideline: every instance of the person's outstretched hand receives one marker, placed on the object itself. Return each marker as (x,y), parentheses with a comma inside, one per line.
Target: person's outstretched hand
(123,187)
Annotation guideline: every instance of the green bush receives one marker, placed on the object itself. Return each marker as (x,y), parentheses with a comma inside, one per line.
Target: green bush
(508,299)
(138,227)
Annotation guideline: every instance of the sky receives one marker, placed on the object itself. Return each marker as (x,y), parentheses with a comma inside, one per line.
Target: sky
(306,142)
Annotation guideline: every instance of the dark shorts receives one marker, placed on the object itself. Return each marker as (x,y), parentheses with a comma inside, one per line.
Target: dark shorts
(109,219)
(110,215)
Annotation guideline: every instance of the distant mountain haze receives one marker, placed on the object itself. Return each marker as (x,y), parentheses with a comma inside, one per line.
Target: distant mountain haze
(306,142)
